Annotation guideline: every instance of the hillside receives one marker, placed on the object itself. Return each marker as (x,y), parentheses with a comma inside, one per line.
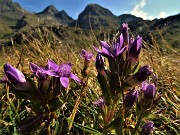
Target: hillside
(15,19)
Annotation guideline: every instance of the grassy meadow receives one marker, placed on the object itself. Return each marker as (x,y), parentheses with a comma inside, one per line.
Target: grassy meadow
(77,116)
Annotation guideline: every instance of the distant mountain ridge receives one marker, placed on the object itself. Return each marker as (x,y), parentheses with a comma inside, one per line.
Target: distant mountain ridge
(14,17)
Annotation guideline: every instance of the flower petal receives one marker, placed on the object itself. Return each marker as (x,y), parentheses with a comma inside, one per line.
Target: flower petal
(34,68)
(120,51)
(121,41)
(64,81)
(53,65)
(104,44)
(97,50)
(74,77)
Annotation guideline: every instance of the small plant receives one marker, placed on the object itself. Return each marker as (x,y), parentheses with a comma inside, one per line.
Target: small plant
(128,90)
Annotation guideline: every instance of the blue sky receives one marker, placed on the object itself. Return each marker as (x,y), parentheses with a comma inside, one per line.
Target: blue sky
(147,9)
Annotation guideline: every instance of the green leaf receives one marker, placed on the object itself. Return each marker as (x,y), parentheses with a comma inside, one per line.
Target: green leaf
(106,91)
(87,129)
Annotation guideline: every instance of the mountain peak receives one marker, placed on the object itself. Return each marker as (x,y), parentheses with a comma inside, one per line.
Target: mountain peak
(8,5)
(63,17)
(50,10)
(95,9)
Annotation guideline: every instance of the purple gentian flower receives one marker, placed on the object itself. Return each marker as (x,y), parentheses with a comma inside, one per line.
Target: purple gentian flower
(125,33)
(140,76)
(99,62)
(111,51)
(130,99)
(63,71)
(14,75)
(39,72)
(135,49)
(17,78)
(147,128)
(148,93)
(86,55)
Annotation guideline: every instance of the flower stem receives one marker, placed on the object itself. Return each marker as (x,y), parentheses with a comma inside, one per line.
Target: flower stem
(138,122)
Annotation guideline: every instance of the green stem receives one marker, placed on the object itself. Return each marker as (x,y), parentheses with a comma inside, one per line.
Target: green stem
(138,122)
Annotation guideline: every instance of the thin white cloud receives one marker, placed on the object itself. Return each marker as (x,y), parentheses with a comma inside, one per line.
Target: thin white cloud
(162,15)
(138,10)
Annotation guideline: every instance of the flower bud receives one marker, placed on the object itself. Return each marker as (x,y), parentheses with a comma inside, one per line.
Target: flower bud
(148,94)
(124,31)
(19,85)
(135,49)
(147,128)
(130,99)
(14,75)
(140,76)
(86,55)
(99,63)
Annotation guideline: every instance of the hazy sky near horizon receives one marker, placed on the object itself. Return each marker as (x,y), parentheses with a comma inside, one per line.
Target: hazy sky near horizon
(147,9)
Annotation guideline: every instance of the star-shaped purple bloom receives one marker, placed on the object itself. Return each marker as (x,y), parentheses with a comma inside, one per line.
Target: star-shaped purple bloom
(63,71)
(111,51)
(86,55)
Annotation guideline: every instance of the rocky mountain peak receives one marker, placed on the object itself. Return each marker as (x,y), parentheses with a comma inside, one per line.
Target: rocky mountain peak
(50,10)
(97,10)
(10,6)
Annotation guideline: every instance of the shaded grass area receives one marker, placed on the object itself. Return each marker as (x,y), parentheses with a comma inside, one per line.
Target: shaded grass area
(163,59)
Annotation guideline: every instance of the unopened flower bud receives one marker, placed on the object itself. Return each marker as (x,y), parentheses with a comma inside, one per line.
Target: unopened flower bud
(140,76)
(99,63)
(130,99)
(135,49)
(124,31)
(147,128)
(148,94)
(14,75)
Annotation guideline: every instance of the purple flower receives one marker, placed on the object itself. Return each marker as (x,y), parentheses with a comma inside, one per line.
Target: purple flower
(111,51)
(147,128)
(87,55)
(39,72)
(125,33)
(130,99)
(148,94)
(17,78)
(14,75)
(143,73)
(99,62)
(100,102)
(135,49)
(63,71)
(140,76)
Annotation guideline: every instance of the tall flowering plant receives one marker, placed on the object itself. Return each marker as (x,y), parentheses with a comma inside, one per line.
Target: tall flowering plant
(124,84)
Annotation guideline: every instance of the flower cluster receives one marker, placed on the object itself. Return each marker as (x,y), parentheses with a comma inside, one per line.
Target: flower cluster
(125,81)
(127,89)
(46,92)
